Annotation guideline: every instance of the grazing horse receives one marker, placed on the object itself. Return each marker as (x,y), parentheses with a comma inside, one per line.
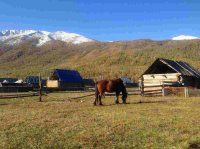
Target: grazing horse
(103,86)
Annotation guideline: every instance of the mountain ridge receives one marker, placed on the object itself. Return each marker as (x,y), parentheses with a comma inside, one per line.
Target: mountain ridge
(13,37)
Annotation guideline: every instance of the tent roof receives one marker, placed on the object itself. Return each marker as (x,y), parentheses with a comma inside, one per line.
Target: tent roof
(69,76)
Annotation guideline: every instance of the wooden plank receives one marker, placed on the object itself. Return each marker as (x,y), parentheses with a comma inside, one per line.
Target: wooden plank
(52,83)
(160,80)
(160,76)
(19,96)
(153,92)
(168,83)
(152,84)
(153,88)
(142,86)
(168,74)
(153,95)
(163,78)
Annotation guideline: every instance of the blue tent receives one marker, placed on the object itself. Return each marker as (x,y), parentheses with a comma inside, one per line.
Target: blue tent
(68,76)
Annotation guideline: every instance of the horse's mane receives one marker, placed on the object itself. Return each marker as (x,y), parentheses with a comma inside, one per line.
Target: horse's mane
(122,85)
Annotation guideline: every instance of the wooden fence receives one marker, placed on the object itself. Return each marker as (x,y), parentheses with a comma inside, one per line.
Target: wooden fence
(41,92)
(5,89)
(6,96)
(166,89)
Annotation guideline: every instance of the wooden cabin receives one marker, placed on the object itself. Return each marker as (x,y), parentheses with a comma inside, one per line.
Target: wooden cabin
(65,79)
(164,72)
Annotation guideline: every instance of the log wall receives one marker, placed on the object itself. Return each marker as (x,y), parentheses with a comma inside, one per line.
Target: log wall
(154,83)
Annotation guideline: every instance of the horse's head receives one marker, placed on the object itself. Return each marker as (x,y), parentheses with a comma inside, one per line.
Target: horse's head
(124,96)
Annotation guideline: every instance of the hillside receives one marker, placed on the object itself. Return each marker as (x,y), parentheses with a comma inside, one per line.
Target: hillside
(112,59)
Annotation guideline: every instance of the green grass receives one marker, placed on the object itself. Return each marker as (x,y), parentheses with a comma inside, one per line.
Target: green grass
(157,122)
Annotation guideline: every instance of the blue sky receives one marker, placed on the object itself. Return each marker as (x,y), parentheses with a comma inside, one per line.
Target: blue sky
(105,19)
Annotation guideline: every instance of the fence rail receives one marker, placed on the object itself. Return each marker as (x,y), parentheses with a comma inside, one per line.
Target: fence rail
(168,89)
(158,89)
(131,91)
(18,95)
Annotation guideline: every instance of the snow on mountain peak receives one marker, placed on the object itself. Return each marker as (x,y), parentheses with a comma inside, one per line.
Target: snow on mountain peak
(184,37)
(17,36)
(15,32)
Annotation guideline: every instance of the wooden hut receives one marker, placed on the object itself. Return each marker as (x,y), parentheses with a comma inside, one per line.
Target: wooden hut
(164,72)
(65,79)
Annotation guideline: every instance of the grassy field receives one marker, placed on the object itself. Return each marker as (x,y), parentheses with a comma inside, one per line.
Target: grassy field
(157,122)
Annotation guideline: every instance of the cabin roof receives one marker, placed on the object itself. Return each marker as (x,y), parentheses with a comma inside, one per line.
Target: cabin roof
(162,65)
(68,76)
(11,80)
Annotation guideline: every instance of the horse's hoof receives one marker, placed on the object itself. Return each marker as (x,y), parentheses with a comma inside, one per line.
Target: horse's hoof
(117,102)
(101,104)
(94,104)
(124,102)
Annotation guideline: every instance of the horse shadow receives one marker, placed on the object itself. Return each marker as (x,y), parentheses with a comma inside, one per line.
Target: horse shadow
(140,102)
(3,104)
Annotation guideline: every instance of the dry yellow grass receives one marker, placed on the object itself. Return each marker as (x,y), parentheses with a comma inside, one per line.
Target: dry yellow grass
(157,122)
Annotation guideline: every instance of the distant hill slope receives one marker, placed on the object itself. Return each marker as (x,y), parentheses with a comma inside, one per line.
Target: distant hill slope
(94,59)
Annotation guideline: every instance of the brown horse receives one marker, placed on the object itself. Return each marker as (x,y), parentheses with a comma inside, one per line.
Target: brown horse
(116,86)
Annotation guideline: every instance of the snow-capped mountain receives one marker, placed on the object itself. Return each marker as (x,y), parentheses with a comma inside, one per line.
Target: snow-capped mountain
(184,37)
(12,37)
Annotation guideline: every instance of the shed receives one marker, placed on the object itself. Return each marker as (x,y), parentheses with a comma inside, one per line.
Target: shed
(65,79)
(89,82)
(32,81)
(128,82)
(170,73)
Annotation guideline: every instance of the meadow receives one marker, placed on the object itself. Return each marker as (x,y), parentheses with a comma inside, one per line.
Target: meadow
(58,122)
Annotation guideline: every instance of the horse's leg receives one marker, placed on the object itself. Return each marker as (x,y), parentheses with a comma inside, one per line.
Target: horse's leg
(96,98)
(96,95)
(100,103)
(95,101)
(117,98)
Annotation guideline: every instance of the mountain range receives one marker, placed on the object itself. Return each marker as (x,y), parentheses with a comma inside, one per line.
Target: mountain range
(22,54)
(12,37)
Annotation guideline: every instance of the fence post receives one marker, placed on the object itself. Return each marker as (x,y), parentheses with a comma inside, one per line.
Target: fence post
(186,92)
(163,90)
(142,86)
(40,88)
